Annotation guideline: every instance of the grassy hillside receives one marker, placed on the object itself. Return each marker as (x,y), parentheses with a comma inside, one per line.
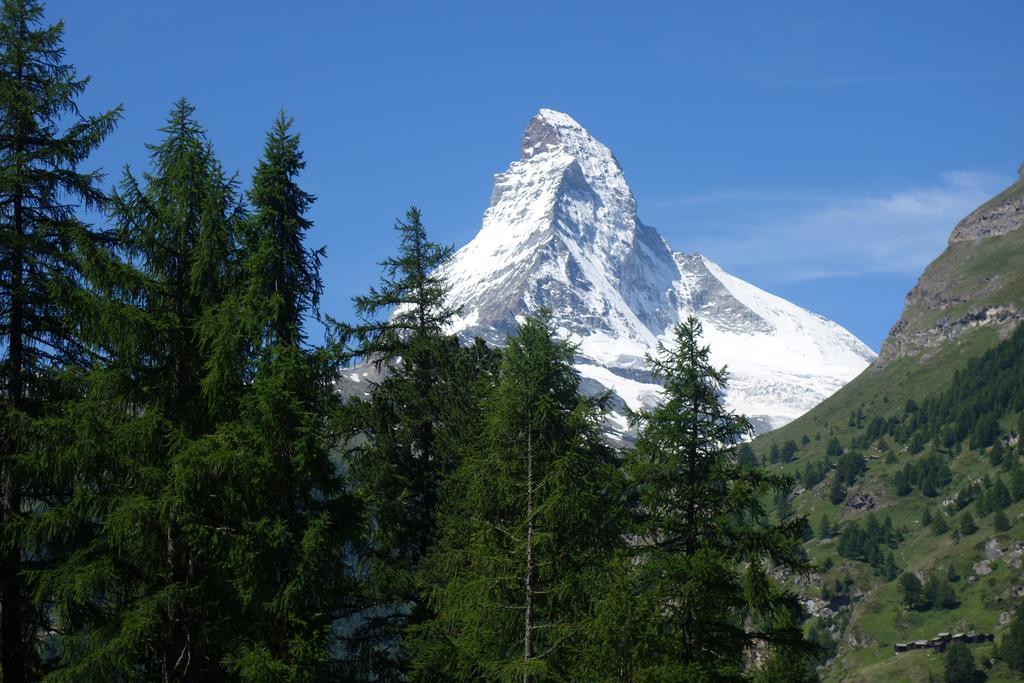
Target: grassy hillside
(870,434)
(876,619)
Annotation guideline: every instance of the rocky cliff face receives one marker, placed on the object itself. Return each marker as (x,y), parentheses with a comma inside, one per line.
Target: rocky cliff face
(976,282)
(562,233)
(990,221)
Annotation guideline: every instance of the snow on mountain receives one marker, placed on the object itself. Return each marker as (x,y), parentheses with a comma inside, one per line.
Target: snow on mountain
(562,232)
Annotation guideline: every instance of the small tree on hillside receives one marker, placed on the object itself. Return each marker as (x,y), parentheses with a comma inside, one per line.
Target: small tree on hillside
(958,664)
(913,591)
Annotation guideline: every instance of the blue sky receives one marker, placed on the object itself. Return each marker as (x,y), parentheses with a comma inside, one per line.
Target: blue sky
(822,151)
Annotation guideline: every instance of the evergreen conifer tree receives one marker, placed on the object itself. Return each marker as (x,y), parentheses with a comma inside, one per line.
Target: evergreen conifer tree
(825,527)
(285,521)
(43,141)
(1001,522)
(958,664)
(913,591)
(704,548)
(967,525)
(138,596)
(409,436)
(530,520)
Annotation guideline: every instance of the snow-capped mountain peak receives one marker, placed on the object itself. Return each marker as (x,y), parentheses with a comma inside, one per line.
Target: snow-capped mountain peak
(562,232)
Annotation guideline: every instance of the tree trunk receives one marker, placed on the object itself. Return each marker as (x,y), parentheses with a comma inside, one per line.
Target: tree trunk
(530,562)
(12,659)
(12,664)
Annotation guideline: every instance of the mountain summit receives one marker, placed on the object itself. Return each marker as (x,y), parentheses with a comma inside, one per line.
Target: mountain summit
(562,233)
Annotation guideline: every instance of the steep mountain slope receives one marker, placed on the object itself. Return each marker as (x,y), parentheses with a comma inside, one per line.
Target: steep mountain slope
(947,390)
(562,233)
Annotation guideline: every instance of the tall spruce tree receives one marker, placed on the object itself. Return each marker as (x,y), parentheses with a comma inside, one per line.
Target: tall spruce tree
(287,521)
(530,519)
(704,546)
(408,436)
(138,598)
(43,141)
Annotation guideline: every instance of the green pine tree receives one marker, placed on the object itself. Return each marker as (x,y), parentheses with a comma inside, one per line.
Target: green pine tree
(530,520)
(409,436)
(138,597)
(913,591)
(824,527)
(44,140)
(704,547)
(1001,522)
(958,664)
(967,525)
(285,518)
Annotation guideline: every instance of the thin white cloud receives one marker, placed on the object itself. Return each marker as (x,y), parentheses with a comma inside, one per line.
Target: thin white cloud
(869,79)
(795,236)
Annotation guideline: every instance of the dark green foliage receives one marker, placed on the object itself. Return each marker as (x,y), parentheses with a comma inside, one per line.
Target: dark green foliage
(1011,648)
(825,528)
(913,591)
(865,543)
(939,524)
(996,455)
(967,525)
(139,594)
(532,516)
(834,448)
(958,664)
(285,519)
(967,495)
(818,634)
(745,455)
(814,473)
(938,593)
(1000,496)
(1001,522)
(44,139)
(705,548)
(774,454)
(911,406)
(411,292)
(875,430)
(849,467)
(837,491)
(985,431)
(929,474)
(917,443)
(902,483)
(988,388)
(789,450)
(1017,483)
(407,437)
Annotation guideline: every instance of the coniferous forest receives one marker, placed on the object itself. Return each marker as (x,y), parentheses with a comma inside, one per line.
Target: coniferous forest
(186,495)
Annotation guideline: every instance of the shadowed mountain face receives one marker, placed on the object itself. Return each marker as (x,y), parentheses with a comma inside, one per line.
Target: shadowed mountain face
(562,233)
